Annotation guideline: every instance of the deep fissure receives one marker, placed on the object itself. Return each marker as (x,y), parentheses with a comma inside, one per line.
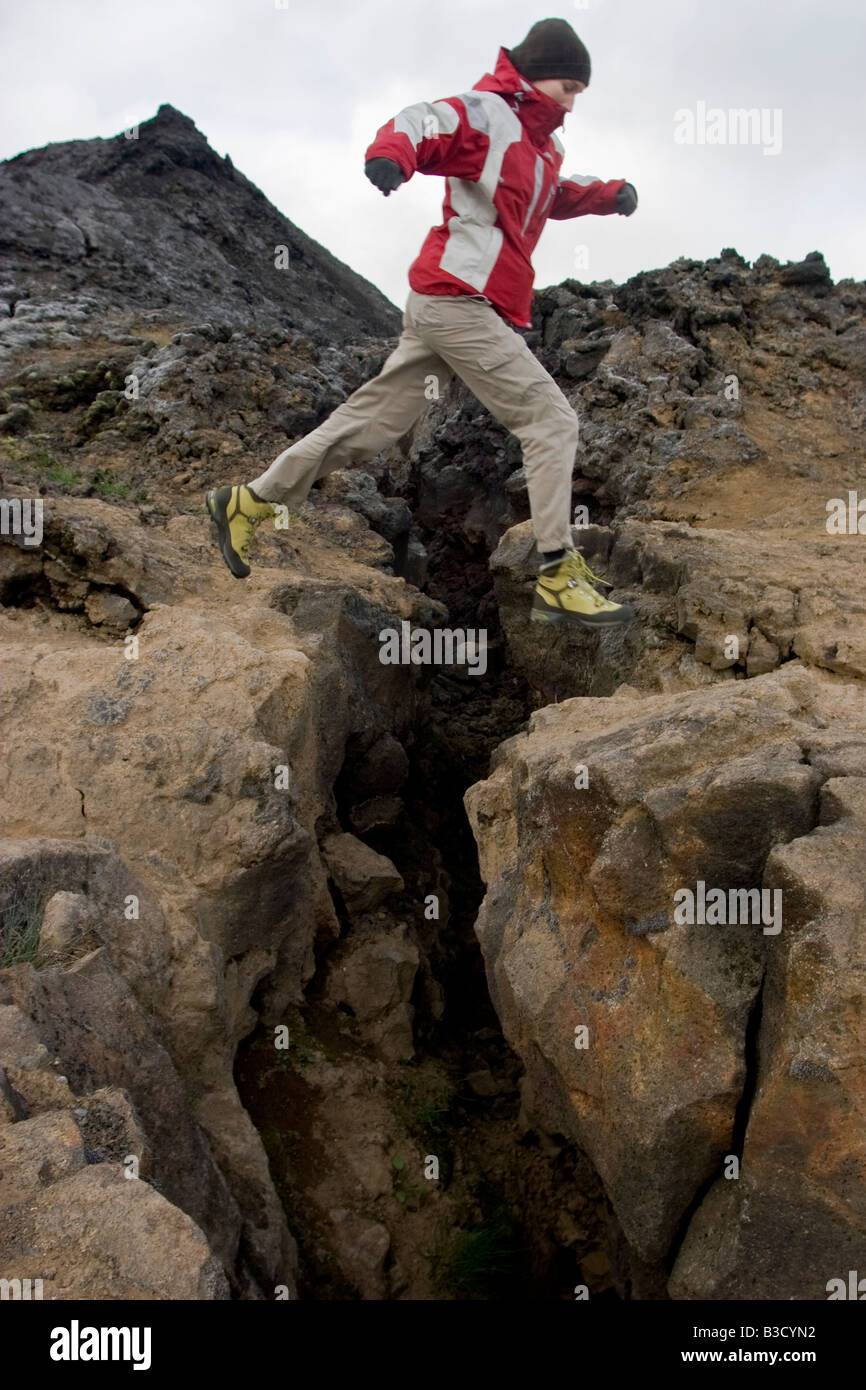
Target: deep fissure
(460,722)
(452,742)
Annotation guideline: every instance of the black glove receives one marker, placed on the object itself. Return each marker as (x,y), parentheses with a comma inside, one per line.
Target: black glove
(385,174)
(626,200)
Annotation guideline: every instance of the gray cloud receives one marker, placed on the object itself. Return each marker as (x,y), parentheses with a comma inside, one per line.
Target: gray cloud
(296,94)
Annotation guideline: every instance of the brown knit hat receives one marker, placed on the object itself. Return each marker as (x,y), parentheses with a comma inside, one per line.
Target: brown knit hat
(551,49)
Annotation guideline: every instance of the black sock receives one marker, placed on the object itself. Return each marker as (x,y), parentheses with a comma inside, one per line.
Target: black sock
(549,556)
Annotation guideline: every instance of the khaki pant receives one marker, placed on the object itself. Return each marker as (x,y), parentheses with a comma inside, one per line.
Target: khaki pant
(443,335)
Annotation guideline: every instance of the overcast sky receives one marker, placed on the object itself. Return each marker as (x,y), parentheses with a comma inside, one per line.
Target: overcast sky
(295,90)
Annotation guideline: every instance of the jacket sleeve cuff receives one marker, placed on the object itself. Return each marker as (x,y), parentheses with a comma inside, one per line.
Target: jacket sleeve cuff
(393,148)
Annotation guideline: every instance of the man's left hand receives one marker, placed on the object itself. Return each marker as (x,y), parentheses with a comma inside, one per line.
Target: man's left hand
(626,200)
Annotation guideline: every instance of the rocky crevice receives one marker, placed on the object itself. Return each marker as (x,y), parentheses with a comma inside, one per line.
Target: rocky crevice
(750,1085)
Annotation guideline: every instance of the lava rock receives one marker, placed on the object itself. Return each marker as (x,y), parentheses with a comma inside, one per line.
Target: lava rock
(364,878)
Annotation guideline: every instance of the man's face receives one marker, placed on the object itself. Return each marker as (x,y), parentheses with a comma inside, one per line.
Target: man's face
(562,89)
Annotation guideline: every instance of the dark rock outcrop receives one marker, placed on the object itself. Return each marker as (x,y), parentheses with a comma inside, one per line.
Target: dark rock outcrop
(152,221)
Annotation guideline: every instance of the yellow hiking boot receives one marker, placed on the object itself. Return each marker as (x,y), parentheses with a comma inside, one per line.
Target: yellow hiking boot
(237,512)
(564,595)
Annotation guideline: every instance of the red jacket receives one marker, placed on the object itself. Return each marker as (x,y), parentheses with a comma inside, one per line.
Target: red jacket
(497,149)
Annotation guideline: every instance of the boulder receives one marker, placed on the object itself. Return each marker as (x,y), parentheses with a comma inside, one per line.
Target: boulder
(363,1246)
(364,878)
(794,1218)
(372,973)
(67,917)
(635,1027)
(96,1235)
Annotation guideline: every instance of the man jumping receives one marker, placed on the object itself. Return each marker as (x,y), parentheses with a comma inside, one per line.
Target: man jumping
(471,288)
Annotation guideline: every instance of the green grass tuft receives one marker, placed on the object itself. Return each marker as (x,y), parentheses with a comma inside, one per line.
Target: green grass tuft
(20,927)
(61,474)
(107,486)
(486,1260)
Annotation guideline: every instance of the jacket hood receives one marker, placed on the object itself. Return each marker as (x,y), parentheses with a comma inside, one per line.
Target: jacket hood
(538,112)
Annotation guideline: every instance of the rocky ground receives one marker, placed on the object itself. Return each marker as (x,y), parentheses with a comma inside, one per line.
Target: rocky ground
(273,1001)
